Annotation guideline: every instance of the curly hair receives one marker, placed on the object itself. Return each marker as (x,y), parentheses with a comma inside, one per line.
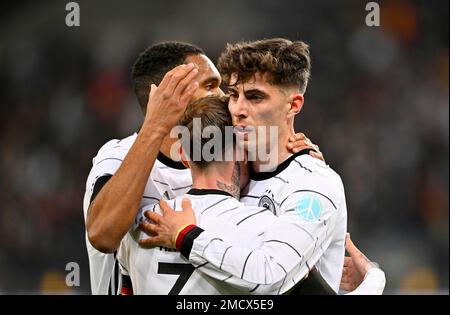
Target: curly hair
(152,64)
(285,62)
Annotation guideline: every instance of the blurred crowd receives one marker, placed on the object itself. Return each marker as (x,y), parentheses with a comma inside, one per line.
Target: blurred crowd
(377,105)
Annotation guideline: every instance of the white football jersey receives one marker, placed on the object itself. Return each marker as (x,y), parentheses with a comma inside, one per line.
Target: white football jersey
(167,180)
(242,250)
(307,190)
(164,271)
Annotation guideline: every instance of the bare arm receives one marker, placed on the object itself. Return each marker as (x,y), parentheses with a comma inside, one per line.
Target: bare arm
(112,211)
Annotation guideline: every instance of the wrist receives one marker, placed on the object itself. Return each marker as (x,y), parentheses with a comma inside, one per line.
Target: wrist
(151,136)
(179,234)
(155,127)
(185,239)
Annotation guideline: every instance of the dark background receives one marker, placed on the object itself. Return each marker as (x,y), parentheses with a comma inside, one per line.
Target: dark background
(377,105)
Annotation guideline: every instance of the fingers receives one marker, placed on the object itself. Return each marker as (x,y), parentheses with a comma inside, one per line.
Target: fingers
(297,136)
(165,208)
(148,228)
(350,247)
(345,272)
(317,155)
(151,94)
(297,144)
(150,242)
(153,216)
(296,140)
(184,83)
(153,89)
(348,262)
(186,204)
(300,142)
(175,71)
(178,75)
(188,212)
(186,97)
(346,286)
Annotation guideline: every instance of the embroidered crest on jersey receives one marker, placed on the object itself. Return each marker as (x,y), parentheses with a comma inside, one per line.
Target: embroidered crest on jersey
(309,208)
(267,201)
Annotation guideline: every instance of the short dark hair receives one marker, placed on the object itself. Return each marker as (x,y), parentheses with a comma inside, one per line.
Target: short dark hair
(152,64)
(286,62)
(212,111)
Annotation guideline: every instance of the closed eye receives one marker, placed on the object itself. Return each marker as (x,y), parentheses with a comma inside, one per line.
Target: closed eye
(233,94)
(211,84)
(255,97)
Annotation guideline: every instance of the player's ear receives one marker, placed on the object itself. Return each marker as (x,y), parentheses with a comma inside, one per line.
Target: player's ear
(296,104)
(184,159)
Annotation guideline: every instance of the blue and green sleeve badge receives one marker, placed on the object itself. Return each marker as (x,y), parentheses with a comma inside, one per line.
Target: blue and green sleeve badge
(309,208)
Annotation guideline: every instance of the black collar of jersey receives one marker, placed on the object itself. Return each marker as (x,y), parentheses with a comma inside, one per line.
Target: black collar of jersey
(169,162)
(196,191)
(266,175)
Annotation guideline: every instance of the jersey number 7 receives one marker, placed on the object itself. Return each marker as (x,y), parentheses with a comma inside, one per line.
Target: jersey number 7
(184,270)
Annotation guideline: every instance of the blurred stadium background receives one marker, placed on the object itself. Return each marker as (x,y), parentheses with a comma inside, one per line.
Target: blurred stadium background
(378,106)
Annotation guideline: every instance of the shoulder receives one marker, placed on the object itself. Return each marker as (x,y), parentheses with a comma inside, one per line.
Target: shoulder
(311,180)
(317,171)
(115,148)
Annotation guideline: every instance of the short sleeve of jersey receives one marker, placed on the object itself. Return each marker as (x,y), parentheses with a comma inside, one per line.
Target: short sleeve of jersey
(106,162)
(108,159)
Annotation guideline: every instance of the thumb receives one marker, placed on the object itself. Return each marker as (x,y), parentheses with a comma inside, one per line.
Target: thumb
(153,89)
(186,205)
(165,208)
(188,211)
(349,246)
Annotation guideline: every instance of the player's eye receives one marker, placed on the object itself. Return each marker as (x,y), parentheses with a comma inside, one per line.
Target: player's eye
(255,98)
(233,95)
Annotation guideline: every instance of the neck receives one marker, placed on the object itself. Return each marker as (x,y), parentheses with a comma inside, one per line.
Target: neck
(270,161)
(223,177)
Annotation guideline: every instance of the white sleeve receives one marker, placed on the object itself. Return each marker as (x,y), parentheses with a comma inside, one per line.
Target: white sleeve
(101,265)
(373,283)
(106,162)
(293,243)
(123,255)
(108,159)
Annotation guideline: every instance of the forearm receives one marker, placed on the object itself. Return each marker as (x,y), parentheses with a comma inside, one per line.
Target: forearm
(281,260)
(254,270)
(114,208)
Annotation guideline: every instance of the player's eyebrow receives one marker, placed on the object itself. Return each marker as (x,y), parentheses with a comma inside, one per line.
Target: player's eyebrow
(253,92)
(211,79)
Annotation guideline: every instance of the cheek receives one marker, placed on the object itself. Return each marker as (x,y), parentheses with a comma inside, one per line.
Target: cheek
(264,116)
(231,107)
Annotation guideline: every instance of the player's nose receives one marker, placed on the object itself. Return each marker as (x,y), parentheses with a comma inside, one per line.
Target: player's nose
(239,109)
(220,92)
